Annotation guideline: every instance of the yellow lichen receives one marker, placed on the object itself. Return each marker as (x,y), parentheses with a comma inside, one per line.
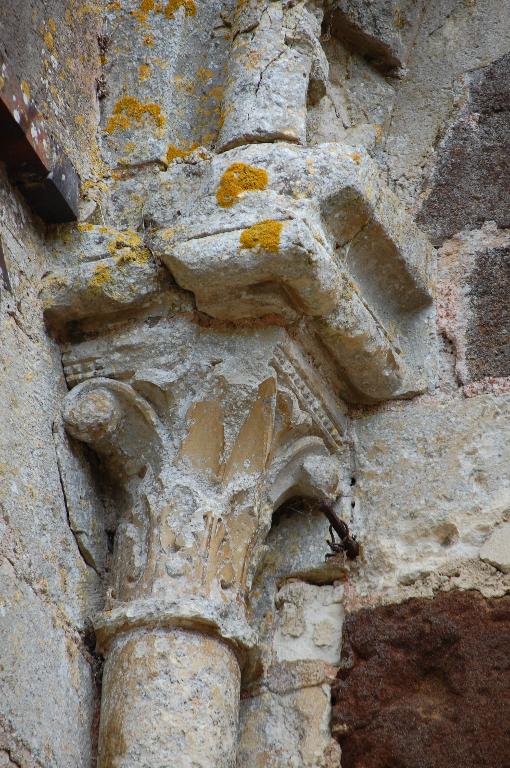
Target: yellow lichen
(127,247)
(149,40)
(128,112)
(204,74)
(85,226)
(52,25)
(264,236)
(49,41)
(356,157)
(173,152)
(144,71)
(25,88)
(239,178)
(146,6)
(172,6)
(102,275)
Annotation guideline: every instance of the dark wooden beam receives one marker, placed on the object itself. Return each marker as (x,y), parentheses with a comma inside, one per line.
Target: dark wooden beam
(35,163)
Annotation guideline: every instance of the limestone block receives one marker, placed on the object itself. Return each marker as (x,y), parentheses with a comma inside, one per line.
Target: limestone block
(82,496)
(309,622)
(496,550)
(287,730)
(123,274)
(275,57)
(257,214)
(382,31)
(169,698)
(431,484)
(46,683)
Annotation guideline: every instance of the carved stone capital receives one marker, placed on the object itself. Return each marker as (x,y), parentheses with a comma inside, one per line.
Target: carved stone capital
(198,458)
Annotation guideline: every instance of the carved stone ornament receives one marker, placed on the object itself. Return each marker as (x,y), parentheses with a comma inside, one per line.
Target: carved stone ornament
(208,358)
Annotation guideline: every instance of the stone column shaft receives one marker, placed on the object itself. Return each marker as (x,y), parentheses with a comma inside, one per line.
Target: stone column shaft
(170,698)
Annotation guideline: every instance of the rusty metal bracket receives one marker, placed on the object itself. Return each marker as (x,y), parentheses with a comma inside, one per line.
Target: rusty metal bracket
(35,163)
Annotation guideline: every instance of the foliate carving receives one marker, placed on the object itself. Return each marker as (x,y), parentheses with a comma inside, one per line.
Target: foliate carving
(196,475)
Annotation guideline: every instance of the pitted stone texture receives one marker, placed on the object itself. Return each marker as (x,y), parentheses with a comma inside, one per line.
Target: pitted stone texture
(382,31)
(470,177)
(432,481)
(424,684)
(285,712)
(169,698)
(308,620)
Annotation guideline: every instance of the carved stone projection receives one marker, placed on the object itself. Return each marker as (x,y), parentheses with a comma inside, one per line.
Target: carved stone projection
(209,355)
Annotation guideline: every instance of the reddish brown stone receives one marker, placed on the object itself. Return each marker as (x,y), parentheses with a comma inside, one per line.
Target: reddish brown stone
(426,684)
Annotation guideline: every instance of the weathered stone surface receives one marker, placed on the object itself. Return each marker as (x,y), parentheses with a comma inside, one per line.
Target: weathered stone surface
(290,730)
(52,49)
(165,70)
(473,286)
(454,39)
(469,181)
(424,684)
(382,31)
(46,680)
(496,550)
(169,698)
(431,482)
(275,62)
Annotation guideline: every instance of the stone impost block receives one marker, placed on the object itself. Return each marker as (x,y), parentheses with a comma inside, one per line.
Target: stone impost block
(275,61)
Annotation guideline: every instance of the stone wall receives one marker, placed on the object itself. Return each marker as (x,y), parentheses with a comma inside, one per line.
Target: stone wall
(48,673)
(242,318)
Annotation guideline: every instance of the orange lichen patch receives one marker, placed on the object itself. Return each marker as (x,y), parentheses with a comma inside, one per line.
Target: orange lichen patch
(204,74)
(172,6)
(127,248)
(144,71)
(48,40)
(142,13)
(129,112)
(149,40)
(102,275)
(356,157)
(264,236)
(173,152)
(239,178)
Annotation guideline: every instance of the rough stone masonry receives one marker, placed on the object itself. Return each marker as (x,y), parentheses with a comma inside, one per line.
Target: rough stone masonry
(254,258)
